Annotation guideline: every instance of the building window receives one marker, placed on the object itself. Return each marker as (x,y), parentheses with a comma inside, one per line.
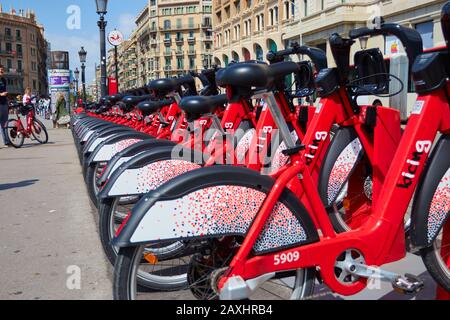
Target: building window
(166,24)
(19,50)
(426,32)
(207,9)
(180,63)
(9,63)
(249,3)
(275,10)
(305,5)
(19,65)
(191,22)
(8,47)
(33,66)
(191,63)
(8,32)
(18,35)
(153,2)
(33,52)
(34,85)
(237,5)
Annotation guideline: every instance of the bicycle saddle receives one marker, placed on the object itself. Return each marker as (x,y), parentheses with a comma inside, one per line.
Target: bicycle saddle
(197,106)
(254,75)
(115,98)
(149,106)
(131,101)
(164,86)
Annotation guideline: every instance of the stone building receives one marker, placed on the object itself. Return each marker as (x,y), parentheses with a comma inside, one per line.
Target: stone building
(23,52)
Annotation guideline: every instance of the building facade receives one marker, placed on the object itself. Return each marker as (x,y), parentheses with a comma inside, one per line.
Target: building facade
(171,38)
(248,29)
(23,52)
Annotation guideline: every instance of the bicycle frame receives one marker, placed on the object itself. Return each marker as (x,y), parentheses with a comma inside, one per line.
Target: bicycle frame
(381,239)
(29,121)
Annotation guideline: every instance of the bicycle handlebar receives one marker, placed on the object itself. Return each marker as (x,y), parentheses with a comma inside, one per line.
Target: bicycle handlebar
(445,22)
(410,38)
(317,56)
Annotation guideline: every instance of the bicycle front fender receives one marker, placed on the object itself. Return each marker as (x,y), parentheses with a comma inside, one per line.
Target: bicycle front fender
(342,156)
(114,144)
(213,202)
(146,172)
(431,207)
(129,153)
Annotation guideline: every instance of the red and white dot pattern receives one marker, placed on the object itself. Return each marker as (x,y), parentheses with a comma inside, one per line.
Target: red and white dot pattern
(342,169)
(440,206)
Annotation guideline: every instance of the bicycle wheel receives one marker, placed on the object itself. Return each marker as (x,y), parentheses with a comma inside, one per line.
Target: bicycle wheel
(16,138)
(39,131)
(203,260)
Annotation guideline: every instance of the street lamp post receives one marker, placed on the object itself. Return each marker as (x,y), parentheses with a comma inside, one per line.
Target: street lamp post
(77,77)
(82,53)
(101,11)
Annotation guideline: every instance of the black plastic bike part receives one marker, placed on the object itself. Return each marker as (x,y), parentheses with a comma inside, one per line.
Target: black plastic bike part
(241,78)
(371,73)
(197,106)
(303,116)
(151,106)
(327,82)
(317,56)
(292,151)
(429,71)
(445,23)
(340,48)
(133,150)
(209,177)
(131,101)
(162,87)
(371,117)
(437,165)
(410,38)
(304,80)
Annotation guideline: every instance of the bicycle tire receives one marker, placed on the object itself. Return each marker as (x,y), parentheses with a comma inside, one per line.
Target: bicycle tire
(44,130)
(13,134)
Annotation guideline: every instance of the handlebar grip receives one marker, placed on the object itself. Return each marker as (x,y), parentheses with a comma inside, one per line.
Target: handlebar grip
(410,38)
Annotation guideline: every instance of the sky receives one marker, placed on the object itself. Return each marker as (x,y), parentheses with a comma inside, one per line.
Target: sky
(68,31)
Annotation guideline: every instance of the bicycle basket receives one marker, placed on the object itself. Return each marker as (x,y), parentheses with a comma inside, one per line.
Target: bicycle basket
(370,67)
(24,110)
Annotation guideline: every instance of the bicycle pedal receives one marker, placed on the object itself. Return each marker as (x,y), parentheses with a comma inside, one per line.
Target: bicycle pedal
(408,284)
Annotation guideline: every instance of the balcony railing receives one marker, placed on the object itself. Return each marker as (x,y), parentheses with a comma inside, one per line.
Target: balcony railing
(167,41)
(167,53)
(179,40)
(8,37)
(19,39)
(191,39)
(6,53)
(167,68)
(153,43)
(179,52)
(191,52)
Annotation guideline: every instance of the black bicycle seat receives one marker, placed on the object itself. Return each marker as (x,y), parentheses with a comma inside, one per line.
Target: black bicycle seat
(148,107)
(197,106)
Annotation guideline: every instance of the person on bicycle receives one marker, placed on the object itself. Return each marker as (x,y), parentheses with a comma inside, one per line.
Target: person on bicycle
(3,107)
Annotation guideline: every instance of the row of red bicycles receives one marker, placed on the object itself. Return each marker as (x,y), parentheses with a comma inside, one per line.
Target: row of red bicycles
(260,193)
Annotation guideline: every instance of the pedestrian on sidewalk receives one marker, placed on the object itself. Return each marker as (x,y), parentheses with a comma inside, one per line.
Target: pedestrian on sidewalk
(3,107)
(62,116)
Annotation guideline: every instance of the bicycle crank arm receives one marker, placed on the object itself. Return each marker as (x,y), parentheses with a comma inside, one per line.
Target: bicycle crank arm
(237,288)
(407,284)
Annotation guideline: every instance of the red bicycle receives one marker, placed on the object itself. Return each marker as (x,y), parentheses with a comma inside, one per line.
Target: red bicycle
(258,231)
(34,127)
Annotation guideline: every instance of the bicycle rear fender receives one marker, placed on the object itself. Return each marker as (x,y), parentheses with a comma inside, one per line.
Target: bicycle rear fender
(214,202)
(101,136)
(108,148)
(431,207)
(146,172)
(343,154)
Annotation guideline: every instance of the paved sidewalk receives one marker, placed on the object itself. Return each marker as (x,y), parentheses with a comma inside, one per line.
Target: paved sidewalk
(48,227)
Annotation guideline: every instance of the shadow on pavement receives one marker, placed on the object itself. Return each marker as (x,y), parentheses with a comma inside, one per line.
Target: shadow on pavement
(21,184)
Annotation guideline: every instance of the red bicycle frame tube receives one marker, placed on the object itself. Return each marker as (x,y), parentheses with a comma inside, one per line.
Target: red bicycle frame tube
(377,238)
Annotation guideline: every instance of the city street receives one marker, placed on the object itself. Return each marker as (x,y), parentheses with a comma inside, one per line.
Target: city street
(49,229)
